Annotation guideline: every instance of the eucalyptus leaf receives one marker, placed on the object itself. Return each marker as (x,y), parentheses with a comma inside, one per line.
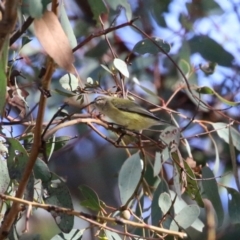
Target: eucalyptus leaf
(121,66)
(223,129)
(233,205)
(3,74)
(192,188)
(157,8)
(233,160)
(57,193)
(98,8)
(208,90)
(65,93)
(152,46)
(218,54)
(180,204)
(186,217)
(66,25)
(41,171)
(176,181)
(91,198)
(74,234)
(171,137)
(69,82)
(210,190)
(165,202)
(124,3)
(34,8)
(112,235)
(156,212)
(129,177)
(157,164)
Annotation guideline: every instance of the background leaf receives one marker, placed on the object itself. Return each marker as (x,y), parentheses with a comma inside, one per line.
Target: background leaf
(147,46)
(202,44)
(129,177)
(210,189)
(53,39)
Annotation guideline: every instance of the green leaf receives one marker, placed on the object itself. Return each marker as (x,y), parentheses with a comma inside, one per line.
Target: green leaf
(28,235)
(192,82)
(211,7)
(34,8)
(150,92)
(3,76)
(222,130)
(192,188)
(17,159)
(217,159)
(25,40)
(204,8)
(176,181)
(184,53)
(156,213)
(98,8)
(157,164)
(65,93)
(112,235)
(210,189)
(41,171)
(233,205)
(211,50)
(69,82)
(107,69)
(4,175)
(75,234)
(57,193)
(124,3)
(208,90)
(67,28)
(129,177)
(165,202)
(97,51)
(157,9)
(55,143)
(233,160)
(180,204)
(171,137)
(186,217)
(152,46)
(185,67)
(91,198)
(165,155)
(121,66)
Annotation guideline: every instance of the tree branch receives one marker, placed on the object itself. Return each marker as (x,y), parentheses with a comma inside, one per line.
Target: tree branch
(10,218)
(8,21)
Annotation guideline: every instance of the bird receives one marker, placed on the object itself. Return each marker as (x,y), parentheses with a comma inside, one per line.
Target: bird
(126,113)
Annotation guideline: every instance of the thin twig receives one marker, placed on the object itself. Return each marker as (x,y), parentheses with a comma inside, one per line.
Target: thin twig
(103,32)
(94,219)
(18,34)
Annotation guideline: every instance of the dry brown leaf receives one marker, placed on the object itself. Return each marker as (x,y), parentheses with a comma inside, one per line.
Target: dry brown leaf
(54,41)
(16,97)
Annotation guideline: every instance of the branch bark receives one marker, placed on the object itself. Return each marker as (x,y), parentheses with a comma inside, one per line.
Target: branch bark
(8,21)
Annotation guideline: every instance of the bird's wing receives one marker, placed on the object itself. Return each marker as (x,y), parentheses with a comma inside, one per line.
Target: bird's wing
(133,107)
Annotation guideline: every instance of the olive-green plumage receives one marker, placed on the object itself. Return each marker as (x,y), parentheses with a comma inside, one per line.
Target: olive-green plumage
(126,113)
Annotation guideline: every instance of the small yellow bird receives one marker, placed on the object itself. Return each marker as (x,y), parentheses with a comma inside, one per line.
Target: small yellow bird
(126,113)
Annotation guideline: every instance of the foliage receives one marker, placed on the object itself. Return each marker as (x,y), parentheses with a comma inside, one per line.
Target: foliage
(160,182)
